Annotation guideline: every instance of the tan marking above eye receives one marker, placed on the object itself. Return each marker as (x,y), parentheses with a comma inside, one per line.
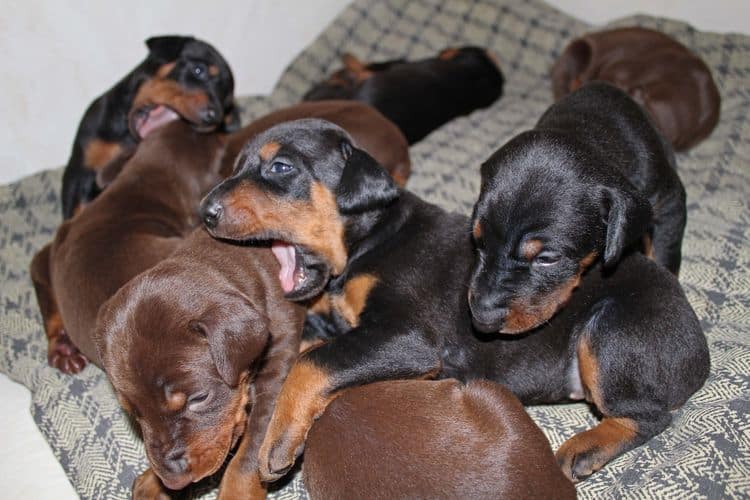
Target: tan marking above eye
(531,248)
(213,70)
(176,400)
(269,150)
(165,69)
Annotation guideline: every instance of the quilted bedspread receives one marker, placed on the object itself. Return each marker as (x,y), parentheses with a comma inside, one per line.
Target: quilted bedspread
(706,450)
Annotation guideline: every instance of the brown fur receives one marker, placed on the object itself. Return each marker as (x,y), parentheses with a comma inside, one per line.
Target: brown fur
(430,439)
(371,131)
(673,84)
(531,249)
(269,150)
(131,227)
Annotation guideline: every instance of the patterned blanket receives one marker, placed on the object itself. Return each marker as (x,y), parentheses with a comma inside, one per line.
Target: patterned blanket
(706,450)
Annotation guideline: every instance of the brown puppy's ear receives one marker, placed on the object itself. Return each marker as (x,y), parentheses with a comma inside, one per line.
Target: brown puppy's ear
(236,332)
(627,215)
(364,184)
(568,71)
(167,48)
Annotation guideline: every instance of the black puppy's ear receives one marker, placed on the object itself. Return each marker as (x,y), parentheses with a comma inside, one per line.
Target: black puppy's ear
(237,334)
(364,184)
(168,47)
(628,216)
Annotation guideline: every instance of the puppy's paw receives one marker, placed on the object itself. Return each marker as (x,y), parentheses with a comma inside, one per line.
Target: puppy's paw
(277,455)
(576,463)
(147,486)
(64,355)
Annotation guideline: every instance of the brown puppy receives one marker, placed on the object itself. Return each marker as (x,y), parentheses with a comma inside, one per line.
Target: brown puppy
(188,345)
(674,85)
(372,131)
(134,224)
(430,439)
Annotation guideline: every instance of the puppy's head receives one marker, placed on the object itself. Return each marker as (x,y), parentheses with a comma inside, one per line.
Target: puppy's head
(547,210)
(188,79)
(302,184)
(179,354)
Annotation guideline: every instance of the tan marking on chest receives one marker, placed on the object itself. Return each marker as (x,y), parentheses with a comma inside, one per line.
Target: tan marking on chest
(352,301)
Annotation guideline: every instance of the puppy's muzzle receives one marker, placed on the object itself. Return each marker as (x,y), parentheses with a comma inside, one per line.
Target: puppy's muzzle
(211,212)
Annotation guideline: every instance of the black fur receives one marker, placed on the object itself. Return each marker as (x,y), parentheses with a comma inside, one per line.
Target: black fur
(420,96)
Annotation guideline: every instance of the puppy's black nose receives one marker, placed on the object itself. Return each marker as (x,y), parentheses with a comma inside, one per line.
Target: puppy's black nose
(211,212)
(486,312)
(176,461)
(208,115)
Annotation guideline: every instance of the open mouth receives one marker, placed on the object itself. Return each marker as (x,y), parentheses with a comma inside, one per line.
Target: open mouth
(147,119)
(302,274)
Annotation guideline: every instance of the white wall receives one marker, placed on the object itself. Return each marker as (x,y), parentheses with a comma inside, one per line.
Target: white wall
(58,55)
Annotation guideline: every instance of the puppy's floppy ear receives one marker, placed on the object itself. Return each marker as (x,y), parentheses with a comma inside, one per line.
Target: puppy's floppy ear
(167,48)
(364,184)
(236,332)
(628,216)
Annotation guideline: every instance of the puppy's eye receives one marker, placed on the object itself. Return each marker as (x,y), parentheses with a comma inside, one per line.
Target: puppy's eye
(547,259)
(199,70)
(279,167)
(195,402)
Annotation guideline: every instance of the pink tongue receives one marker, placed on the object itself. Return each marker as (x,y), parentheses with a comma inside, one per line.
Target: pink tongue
(158,116)
(285,254)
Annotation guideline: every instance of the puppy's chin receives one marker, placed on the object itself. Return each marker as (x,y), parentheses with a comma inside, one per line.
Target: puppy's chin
(302,274)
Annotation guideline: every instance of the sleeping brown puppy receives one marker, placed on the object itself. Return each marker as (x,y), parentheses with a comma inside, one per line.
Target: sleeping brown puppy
(674,85)
(136,222)
(430,439)
(188,345)
(372,131)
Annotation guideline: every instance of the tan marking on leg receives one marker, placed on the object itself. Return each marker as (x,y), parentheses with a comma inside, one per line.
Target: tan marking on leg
(98,153)
(303,398)
(588,369)
(352,301)
(148,486)
(587,452)
(526,314)
(269,150)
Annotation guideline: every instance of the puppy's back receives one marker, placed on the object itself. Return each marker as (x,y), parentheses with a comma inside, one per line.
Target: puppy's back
(430,439)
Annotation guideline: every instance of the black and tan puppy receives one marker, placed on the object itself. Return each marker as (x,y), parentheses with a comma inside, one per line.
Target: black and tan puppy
(430,439)
(395,272)
(187,346)
(418,96)
(181,77)
(590,180)
(137,222)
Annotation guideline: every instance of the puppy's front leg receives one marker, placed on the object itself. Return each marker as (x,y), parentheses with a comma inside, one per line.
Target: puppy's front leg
(360,357)
(148,486)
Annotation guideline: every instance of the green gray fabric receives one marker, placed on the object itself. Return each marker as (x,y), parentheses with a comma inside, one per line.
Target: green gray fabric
(706,450)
